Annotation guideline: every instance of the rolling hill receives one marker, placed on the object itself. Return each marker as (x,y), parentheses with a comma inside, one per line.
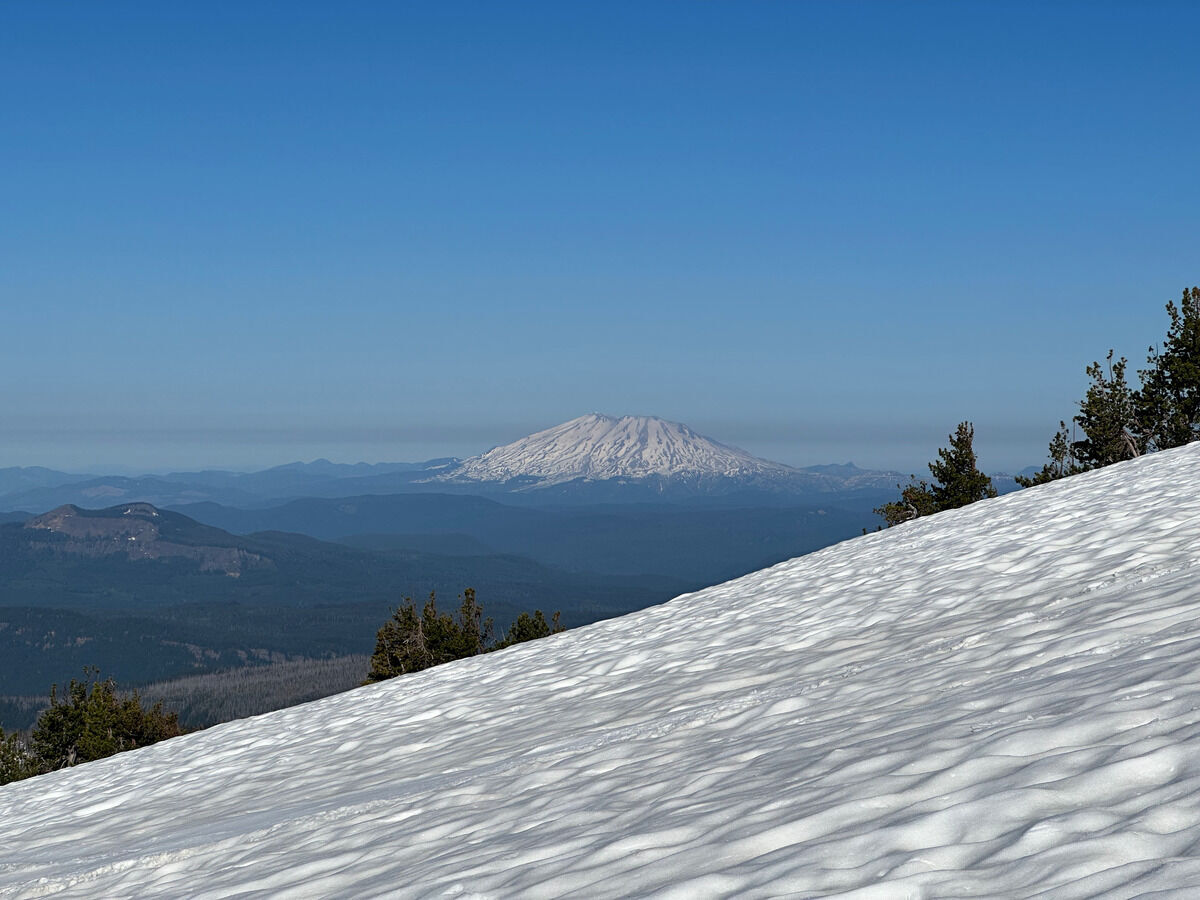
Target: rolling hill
(149,594)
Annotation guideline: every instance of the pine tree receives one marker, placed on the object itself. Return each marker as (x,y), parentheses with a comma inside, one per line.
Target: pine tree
(409,643)
(1107,418)
(529,628)
(1062,460)
(400,645)
(476,631)
(91,721)
(1120,423)
(16,760)
(916,500)
(957,482)
(1168,404)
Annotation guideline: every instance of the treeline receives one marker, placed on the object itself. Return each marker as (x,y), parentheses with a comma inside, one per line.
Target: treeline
(1115,422)
(204,700)
(18,713)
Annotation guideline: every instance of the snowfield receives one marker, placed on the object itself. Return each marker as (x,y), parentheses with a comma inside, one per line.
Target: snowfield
(998,701)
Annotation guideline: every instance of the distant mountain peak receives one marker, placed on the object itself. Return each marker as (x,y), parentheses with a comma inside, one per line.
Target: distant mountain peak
(599,447)
(139,531)
(69,517)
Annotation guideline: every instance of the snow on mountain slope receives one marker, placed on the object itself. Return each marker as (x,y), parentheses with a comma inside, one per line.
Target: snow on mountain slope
(597,447)
(999,701)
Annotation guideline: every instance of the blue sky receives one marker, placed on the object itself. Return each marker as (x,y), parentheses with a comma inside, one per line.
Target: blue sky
(242,234)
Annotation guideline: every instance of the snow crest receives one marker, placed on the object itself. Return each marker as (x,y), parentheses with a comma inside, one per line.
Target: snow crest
(999,701)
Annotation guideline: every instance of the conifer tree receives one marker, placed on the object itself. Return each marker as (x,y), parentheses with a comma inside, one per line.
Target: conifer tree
(16,760)
(957,482)
(916,500)
(1121,423)
(530,628)
(1168,404)
(400,645)
(1107,418)
(409,643)
(1062,460)
(91,721)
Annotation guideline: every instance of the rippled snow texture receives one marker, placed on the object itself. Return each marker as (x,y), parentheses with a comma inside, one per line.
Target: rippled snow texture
(1000,701)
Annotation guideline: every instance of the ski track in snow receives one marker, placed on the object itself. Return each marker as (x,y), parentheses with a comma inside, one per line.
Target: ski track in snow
(1000,701)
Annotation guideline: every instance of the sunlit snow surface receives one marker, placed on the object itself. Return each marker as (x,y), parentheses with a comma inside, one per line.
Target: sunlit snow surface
(1000,701)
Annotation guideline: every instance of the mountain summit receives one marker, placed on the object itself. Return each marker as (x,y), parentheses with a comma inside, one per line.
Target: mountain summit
(599,448)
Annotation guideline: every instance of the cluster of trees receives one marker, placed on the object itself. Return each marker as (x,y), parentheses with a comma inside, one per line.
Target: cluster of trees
(90,720)
(1115,422)
(410,641)
(1118,422)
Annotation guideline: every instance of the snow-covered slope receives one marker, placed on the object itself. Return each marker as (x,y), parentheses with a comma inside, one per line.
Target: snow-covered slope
(596,447)
(998,701)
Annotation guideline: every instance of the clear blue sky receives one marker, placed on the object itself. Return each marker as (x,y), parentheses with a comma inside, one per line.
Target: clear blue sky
(242,234)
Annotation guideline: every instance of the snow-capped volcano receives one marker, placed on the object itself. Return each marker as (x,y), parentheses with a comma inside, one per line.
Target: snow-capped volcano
(997,701)
(597,448)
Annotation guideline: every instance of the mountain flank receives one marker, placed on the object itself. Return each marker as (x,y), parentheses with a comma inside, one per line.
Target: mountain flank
(598,447)
(599,458)
(994,701)
(138,531)
(591,459)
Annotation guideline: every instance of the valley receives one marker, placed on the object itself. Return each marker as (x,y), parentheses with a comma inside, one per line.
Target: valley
(149,593)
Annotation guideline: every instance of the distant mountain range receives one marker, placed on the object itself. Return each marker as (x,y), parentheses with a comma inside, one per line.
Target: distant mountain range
(592,459)
(147,593)
(603,458)
(192,571)
(316,479)
(137,556)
